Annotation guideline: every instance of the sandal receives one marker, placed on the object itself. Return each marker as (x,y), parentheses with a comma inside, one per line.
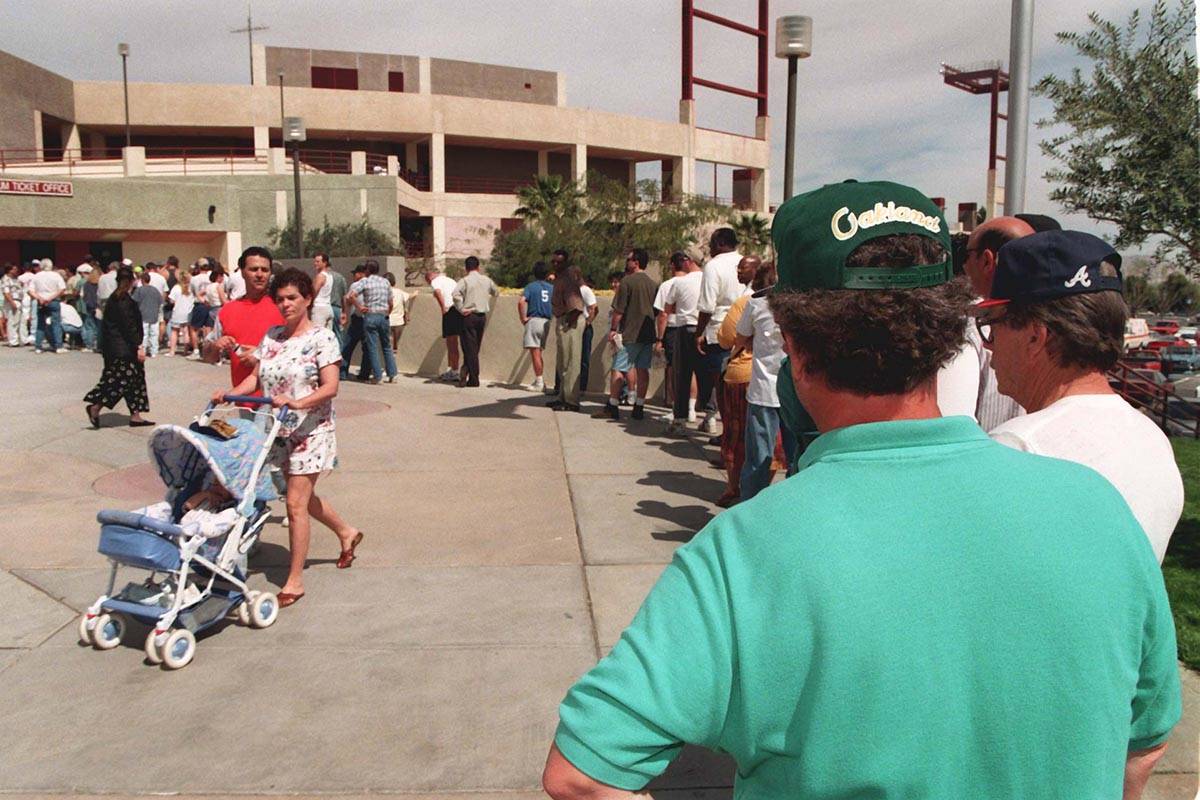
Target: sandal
(347,557)
(140,423)
(288,599)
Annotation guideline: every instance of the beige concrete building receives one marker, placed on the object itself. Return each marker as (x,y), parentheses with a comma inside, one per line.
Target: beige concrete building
(430,150)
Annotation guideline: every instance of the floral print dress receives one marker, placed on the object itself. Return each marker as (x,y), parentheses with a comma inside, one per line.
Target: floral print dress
(307,443)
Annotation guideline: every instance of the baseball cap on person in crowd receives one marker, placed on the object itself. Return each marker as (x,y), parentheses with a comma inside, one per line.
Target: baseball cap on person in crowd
(815,232)
(1051,264)
(1039,222)
(84,268)
(126,262)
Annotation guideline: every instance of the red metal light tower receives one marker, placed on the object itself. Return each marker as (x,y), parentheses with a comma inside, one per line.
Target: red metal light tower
(987,78)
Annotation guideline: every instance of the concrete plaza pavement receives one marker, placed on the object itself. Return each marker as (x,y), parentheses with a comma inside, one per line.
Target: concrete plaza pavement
(506,547)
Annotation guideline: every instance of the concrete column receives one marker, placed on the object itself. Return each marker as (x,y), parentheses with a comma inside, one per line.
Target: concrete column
(281,209)
(233,247)
(760,191)
(135,161)
(543,163)
(358,162)
(632,174)
(687,112)
(437,166)
(578,162)
(258,57)
(438,241)
(762,128)
(423,80)
(37,134)
(362,202)
(71,139)
(560,90)
(683,176)
(277,161)
(410,156)
(262,135)
(393,165)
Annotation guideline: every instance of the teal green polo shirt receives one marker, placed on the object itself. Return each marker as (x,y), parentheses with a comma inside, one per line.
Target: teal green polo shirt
(919,612)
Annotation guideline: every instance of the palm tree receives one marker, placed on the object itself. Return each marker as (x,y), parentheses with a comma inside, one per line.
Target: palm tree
(753,231)
(547,196)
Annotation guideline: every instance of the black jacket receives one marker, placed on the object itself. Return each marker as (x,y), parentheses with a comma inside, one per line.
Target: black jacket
(121,328)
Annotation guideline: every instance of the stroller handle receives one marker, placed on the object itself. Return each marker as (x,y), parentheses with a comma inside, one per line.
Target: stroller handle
(252,400)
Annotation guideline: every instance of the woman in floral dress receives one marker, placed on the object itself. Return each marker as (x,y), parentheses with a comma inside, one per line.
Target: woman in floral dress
(298,365)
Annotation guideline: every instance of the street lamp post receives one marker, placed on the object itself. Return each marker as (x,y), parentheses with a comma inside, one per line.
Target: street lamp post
(1017,140)
(293,131)
(282,123)
(123,51)
(793,41)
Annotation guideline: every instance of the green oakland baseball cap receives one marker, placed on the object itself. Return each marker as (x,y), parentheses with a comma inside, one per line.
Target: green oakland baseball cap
(815,232)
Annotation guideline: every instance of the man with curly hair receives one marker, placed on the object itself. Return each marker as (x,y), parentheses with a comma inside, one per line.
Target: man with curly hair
(920,611)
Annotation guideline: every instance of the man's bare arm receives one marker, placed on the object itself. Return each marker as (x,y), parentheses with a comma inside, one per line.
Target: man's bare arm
(563,781)
(1138,766)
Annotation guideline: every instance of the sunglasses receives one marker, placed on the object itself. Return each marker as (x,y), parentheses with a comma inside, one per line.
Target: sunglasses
(986,324)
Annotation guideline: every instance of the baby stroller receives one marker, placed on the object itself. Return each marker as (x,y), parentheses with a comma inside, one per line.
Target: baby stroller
(197,561)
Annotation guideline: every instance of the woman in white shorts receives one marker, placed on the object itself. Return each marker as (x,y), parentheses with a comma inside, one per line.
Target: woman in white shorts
(181,312)
(322,311)
(298,366)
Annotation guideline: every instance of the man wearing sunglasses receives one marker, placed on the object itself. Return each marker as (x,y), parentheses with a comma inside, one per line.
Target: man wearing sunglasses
(1055,324)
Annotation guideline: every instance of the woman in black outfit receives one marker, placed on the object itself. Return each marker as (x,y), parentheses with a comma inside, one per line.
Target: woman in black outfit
(121,343)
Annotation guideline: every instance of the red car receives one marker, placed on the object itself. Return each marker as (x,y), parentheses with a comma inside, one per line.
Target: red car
(1167,327)
(1164,343)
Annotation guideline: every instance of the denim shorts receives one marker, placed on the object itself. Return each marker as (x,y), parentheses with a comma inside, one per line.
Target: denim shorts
(634,355)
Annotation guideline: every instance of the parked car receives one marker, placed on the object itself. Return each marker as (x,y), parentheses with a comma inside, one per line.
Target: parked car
(1137,333)
(1165,326)
(1163,342)
(1187,332)
(1180,358)
(1143,359)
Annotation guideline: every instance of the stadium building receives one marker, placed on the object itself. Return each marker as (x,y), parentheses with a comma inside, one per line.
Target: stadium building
(429,150)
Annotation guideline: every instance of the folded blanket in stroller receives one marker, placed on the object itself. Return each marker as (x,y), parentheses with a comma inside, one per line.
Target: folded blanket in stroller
(198,521)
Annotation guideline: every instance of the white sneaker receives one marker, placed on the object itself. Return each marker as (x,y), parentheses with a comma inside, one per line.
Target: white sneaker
(691,415)
(538,385)
(168,354)
(449,375)
(710,424)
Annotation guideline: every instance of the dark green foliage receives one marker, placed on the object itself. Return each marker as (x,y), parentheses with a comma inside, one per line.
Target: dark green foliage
(347,239)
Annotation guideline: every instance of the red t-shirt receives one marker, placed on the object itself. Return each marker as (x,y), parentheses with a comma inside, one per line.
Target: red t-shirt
(247,321)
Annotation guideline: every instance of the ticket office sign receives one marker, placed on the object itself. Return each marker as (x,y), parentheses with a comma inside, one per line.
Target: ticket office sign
(51,188)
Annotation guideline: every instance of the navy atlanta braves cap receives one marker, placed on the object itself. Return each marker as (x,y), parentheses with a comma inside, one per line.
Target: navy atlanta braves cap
(1052,264)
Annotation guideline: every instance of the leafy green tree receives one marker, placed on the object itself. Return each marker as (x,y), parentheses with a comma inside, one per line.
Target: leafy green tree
(345,239)
(1140,294)
(1176,295)
(1129,155)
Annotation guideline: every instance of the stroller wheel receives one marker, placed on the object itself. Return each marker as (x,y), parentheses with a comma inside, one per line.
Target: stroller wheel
(179,649)
(108,631)
(85,635)
(243,612)
(264,608)
(153,653)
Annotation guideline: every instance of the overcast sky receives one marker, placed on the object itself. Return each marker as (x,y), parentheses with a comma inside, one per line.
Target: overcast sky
(871,101)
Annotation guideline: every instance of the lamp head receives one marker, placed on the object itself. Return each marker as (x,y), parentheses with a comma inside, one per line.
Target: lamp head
(122,49)
(793,37)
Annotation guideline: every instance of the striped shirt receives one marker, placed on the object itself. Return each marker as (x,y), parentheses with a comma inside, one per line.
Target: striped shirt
(374,292)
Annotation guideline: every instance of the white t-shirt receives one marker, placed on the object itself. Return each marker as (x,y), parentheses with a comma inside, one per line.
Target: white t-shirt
(235,286)
(106,286)
(46,283)
(212,294)
(685,294)
(589,297)
(660,301)
(199,284)
(399,299)
(183,305)
(758,321)
(1104,432)
(70,316)
(158,282)
(719,287)
(445,285)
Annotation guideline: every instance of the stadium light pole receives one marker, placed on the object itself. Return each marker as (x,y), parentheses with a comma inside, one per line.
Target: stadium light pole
(282,123)
(293,131)
(793,41)
(123,51)
(1020,49)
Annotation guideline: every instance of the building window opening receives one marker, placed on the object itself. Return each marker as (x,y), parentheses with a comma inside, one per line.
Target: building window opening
(334,78)
(395,81)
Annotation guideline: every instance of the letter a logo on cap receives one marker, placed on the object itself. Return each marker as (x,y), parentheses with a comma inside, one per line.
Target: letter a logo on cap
(1080,278)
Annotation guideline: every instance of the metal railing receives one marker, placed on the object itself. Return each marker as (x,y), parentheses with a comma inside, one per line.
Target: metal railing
(205,160)
(468,185)
(1172,413)
(416,180)
(377,164)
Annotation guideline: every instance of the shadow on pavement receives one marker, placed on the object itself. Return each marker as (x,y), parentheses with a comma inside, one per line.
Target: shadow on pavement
(498,409)
(690,519)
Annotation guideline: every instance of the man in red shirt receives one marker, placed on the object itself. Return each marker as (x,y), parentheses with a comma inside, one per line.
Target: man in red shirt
(242,323)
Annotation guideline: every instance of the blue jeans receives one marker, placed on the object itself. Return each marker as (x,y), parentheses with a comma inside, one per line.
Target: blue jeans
(91,330)
(337,324)
(377,333)
(762,427)
(350,340)
(48,316)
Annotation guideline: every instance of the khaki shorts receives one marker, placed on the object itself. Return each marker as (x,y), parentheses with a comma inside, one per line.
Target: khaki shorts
(537,331)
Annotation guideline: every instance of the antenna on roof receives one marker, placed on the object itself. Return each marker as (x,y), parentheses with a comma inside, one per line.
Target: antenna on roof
(249,31)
